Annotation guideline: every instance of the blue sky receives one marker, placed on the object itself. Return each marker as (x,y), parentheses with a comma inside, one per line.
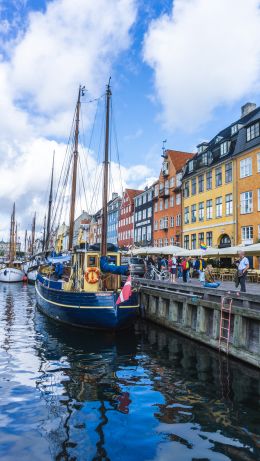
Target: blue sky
(180,71)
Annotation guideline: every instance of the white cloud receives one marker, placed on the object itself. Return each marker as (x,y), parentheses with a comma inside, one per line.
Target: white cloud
(72,42)
(204,54)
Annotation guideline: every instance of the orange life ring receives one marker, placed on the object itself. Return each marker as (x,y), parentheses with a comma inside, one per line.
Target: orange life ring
(92,275)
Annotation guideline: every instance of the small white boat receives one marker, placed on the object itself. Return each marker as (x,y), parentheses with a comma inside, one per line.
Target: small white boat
(11,274)
(32,275)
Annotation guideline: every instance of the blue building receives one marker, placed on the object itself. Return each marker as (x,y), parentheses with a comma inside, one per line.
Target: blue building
(112,218)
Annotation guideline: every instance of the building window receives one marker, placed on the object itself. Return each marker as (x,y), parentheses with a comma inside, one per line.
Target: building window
(201,211)
(172,221)
(193,241)
(201,237)
(186,242)
(172,201)
(258,163)
(209,239)
(252,131)
(234,129)
(228,172)
(155,225)
(156,190)
(144,198)
(178,199)
(218,207)
(209,180)
(247,234)
(246,202)
(144,213)
(193,186)
(193,213)
(218,176)
(190,166)
(201,182)
(186,215)
(178,220)
(224,147)
(209,209)
(160,242)
(149,212)
(246,167)
(156,207)
(161,205)
(172,241)
(165,242)
(178,179)
(229,204)
(172,182)
(187,189)
(258,196)
(166,204)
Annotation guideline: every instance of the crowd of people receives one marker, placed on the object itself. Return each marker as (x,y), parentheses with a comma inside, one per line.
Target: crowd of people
(185,268)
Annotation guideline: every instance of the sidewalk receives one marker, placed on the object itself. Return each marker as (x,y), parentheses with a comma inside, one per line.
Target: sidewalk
(252,288)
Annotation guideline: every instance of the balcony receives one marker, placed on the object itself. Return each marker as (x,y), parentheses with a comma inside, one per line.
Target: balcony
(164,192)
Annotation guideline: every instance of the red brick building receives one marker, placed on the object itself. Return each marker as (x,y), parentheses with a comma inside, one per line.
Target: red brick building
(167,205)
(126,218)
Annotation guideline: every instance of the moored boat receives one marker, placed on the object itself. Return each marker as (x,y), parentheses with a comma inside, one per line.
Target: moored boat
(12,272)
(86,292)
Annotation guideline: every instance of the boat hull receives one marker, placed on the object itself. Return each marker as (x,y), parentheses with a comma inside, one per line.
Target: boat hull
(11,275)
(86,310)
(32,276)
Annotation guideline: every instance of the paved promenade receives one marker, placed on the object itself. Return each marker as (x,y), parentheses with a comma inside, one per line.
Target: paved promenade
(252,288)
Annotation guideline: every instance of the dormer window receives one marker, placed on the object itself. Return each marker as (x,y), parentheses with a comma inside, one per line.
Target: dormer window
(218,139)
(253,131)
(224,148)
(204,158)
(234,129)
(191,166)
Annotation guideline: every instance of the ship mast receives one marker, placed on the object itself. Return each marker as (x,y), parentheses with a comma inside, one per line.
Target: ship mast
(12,230)
(25,243)
(15,240)
(46,242)
(33,231)
(74,173)
(44,233)
(105,176)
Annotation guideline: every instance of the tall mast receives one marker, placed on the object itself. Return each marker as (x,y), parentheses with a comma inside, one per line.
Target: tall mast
(74,173)
(12,230)
(105,176)
(25,242)
(46,244)
(15,240)
(33,232)
(44,233)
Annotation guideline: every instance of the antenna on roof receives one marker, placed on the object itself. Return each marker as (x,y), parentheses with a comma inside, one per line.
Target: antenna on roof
(164,149)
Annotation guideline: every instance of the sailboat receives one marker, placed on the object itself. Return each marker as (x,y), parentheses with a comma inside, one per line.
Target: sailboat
(87,292)
(12,272)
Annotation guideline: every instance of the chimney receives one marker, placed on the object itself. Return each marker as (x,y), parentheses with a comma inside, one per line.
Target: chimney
(247,108)
(114,195)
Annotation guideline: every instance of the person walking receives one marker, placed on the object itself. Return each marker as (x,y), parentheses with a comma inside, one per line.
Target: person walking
(242,268)
(179,267)
(185,268)
(172,265)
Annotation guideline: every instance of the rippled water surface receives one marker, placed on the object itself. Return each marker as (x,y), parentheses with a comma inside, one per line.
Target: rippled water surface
(147,394)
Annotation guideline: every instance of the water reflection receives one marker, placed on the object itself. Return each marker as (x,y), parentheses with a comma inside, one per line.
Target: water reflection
(146,394)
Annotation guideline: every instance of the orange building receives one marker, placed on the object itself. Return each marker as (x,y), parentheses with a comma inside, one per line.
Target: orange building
(167,199)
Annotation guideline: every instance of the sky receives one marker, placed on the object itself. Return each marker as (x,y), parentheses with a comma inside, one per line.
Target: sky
(180,70)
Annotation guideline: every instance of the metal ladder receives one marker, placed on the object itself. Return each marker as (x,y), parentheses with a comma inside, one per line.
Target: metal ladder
(225,322)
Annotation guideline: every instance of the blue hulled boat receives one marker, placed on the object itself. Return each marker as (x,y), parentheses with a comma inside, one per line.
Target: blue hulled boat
(86,292)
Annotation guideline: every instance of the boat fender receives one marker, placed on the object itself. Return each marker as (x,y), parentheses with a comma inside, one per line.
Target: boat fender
(92,275)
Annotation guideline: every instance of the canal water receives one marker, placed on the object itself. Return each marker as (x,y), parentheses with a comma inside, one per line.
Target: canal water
(146,394)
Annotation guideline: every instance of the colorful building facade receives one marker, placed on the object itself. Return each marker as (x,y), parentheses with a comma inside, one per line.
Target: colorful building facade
(212,188)
(112,218)
(167,200)
(143,218)
(126,218)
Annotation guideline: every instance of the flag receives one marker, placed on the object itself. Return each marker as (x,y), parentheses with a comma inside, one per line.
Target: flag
(203,246)
(125,292)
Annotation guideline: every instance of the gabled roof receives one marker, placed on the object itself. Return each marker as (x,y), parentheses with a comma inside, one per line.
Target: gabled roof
(178,158)
(132,193)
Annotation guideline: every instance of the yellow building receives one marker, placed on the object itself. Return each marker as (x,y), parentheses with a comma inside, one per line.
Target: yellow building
(208,215)
(213,183)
